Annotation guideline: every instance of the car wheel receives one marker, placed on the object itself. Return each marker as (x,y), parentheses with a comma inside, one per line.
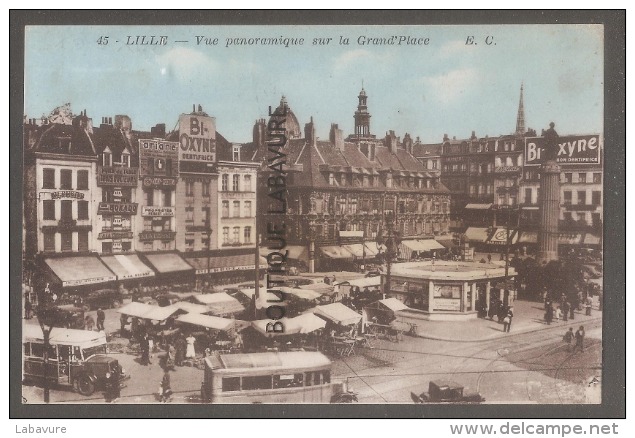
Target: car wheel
(116,304)
(85,386)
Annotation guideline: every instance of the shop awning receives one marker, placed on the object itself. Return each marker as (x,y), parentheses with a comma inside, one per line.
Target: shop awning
(478,206)
(78,271)
(418,245)
(338,313)
(528,237)
(224,263)
(569,238)
(591,239)
(500,237)
(207,321)
(394,304)
(357,249)
(336,252)
(371,249)
(476,234)
(297,252)
(127,266)
(168,263)
(447,242)
(220,303)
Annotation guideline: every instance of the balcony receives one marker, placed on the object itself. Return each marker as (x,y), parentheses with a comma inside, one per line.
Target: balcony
(198,228)
(157,235)
(580,207)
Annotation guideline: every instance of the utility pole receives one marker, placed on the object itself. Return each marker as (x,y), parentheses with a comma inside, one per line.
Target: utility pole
(391,241)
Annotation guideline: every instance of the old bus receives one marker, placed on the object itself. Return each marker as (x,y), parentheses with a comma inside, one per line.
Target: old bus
(75,357)
(271,377)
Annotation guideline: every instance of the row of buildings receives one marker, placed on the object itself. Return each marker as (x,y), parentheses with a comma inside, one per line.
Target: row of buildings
(130,206)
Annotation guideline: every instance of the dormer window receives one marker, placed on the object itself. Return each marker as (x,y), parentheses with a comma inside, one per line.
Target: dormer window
(125,159)
(107,157)
(236,153)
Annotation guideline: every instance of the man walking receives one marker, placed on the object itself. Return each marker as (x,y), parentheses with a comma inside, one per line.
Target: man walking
(565,310)
(579,339)
(568,338)
(509,317)
(101,318)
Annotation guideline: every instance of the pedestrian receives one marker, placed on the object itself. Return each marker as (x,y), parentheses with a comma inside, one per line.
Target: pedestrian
(113,387)
(181,346)
(579,339)
(101,318)
(145,350)
(574,305)
(166,387)
(326,279)
(89,323)
(28,307)
(565,310)
(123,320)
(170,357)
(489,258)
(587,306)
(549,313)
(568,338)
(150,347)
(190,353)
(510,317)
(333,280)
(557,314)
(506,322)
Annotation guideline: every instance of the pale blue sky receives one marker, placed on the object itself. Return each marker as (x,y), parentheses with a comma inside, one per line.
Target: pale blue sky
(445,87)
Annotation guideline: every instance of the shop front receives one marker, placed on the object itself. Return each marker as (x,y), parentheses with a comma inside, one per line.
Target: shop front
(447,290)
(170,269)
(221,269)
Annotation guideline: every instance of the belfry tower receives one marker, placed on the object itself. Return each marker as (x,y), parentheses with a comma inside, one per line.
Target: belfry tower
(520,117)
(362,116)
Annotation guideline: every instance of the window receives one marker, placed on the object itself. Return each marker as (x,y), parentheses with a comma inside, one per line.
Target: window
(205,188)
(288,380)
(205,218)
(528,193)
(247,183)
(581,177)
(66,179)
(189,214)
(148,197)
(107,159)
(225,209)
(256,382)
(125,160)
(581,197)
(352,207)
(82,210)
(106,247)
(567,216)
(236,235)
(48,178)
(331,179)
(236,209)
(82,180)
(597,178)
(189,243)
(596,197)
(48,210)
(82,240)
(189,188)
(568,177)
(126,246)
(247,235)
(567,197)
(225,234)
(148,246)
(147,224)
(204,242)
(247,209)
(67,210)
(231,384)
(67,241)
(236,153)
(225,183)
(166,198)
(434,164)
(49,241)
(236,183)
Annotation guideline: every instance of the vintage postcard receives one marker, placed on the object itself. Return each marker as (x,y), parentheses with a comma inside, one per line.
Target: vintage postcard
(313,214)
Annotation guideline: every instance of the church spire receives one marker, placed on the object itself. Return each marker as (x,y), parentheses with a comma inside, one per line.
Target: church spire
(520,118)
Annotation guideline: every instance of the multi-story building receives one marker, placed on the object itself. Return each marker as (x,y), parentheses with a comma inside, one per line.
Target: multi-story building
(342,192)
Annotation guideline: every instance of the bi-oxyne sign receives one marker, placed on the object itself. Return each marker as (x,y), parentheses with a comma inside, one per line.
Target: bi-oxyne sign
(571,149)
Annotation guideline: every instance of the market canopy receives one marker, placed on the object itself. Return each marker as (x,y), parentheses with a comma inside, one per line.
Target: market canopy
(135,309)
(304,294)
(148,311)
(220,303)
(394,304)
(207,321)
(303,324)
(127,266)
(336,252)
(338,313)
(366,282)
(168,263)
(191,307)
(78,271)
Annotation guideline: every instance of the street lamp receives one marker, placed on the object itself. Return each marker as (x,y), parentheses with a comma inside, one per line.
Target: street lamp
(47,318)
(391,241)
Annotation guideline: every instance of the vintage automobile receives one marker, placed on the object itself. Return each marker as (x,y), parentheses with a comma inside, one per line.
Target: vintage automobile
(102,298)
(69,316)
(445,391)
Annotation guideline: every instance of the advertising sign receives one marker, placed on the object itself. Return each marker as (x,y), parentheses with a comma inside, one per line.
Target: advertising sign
(157,211)
(116,208)
(573,149)
(158,182)
(158,158)
(197,143)
(117,176)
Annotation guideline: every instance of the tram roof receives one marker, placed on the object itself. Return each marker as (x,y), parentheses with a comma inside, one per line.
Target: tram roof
(272,360)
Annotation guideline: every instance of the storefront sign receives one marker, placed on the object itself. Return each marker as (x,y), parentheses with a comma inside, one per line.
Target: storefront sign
(507,169)
(161,183)
(158,158)
(573,149)
(117,208)
(447,304)
(197,139)
(67,194)
(157,235)
(115,235)
(117,176)
(157,211)
(86,281)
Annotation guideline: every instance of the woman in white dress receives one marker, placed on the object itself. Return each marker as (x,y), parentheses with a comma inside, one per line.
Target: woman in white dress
(189,352)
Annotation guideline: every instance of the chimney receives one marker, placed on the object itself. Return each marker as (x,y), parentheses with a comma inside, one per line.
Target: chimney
(445,137)
(391,141)
(407,143)
(259,133)
(454,137)
(193,108)
(123,122)
(200,108)
(336,136)
(309,132)
(158,131)
(473,137)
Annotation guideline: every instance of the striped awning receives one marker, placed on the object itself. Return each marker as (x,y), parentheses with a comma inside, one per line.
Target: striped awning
(168,263)
(79,271)
(127,266)
(336,252)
